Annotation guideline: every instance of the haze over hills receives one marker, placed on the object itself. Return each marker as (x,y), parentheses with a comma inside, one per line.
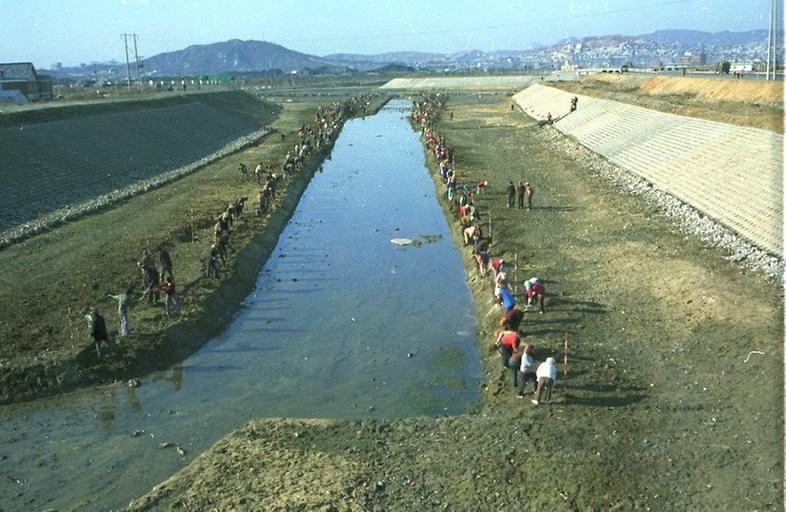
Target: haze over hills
(662,46)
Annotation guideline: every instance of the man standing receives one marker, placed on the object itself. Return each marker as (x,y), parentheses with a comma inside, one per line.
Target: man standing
(511,190)
(211,265)
(529,192)
(521,193)
(97,328)
(172,307)
(165,260)
(527,370)
(258,173)
(122,311)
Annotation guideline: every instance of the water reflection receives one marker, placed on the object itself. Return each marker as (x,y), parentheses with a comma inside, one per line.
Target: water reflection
(173,375)
(106,410)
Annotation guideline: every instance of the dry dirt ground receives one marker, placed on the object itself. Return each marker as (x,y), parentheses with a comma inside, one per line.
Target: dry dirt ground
(743,102)
(664,406)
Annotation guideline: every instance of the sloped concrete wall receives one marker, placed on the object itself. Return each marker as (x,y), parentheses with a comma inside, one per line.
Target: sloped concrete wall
(49,165)
(461,82)
(733,174)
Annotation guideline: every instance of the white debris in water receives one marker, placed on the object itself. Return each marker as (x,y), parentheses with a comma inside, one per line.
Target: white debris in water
(401,241)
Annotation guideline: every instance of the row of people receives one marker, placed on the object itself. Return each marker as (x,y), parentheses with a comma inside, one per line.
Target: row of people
(156,273)
(518,360)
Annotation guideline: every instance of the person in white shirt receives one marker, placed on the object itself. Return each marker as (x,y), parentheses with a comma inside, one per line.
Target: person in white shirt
(527,370)
(547,376)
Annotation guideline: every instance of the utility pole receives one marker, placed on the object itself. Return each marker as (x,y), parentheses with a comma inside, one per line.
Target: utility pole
(128,64)
(772,38)
(138,64)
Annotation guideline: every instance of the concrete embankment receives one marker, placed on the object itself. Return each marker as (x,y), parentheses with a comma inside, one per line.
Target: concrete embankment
(732,174)
(60,158)
(471,83)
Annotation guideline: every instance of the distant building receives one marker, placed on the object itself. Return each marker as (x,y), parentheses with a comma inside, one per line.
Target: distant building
(741,67)
(22,77)
(693,59)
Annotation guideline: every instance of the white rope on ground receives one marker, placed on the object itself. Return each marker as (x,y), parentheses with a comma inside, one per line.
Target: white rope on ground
(751,353)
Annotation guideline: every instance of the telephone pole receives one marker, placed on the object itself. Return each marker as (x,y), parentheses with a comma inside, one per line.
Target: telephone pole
(138,64)
(772,42)
(128,64)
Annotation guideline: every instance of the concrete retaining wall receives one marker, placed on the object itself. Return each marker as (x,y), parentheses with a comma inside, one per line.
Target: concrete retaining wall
(733,174)
(50,165)
(462,82)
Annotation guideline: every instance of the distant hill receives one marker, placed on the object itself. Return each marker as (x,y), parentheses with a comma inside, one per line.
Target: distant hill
(385,58)
(259,57)
(372,62)
(696,38)
(394,68)
(232,56)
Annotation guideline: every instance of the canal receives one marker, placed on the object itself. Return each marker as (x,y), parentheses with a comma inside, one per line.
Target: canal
(342,324)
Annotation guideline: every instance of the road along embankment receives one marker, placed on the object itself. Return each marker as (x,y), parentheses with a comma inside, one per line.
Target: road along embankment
(732,174)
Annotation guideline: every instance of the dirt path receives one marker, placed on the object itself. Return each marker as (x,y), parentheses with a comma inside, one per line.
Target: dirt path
(663,407)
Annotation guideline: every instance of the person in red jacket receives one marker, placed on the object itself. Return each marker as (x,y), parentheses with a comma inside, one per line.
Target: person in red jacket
(172,306)
(496,266)
(534,286)
(507,343)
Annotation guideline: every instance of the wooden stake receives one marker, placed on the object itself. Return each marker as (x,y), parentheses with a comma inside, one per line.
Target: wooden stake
(489,226)
(565,362)
(515,271)
(71,331)
(191,219)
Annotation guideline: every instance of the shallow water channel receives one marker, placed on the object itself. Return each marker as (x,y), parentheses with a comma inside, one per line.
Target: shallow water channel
(342,324)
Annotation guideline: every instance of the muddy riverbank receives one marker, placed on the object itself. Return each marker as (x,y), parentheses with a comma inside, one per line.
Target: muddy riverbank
(48,351)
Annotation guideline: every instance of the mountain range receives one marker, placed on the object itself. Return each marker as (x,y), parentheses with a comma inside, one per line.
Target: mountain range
(237,57)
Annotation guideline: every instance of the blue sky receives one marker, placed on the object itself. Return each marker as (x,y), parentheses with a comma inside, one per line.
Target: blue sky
(76,31)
